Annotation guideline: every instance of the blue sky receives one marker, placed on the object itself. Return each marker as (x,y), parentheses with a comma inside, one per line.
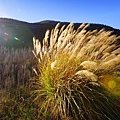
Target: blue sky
(105,12)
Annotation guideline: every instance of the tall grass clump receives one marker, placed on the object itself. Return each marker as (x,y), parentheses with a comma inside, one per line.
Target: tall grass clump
(77,75)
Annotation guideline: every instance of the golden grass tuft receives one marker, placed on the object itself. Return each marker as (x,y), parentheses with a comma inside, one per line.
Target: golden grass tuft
(72,72)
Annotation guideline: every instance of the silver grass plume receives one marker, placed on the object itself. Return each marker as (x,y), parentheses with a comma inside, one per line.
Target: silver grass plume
(98,61)
(96,50)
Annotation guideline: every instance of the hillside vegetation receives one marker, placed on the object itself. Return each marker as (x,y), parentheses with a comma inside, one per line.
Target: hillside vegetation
(72,74)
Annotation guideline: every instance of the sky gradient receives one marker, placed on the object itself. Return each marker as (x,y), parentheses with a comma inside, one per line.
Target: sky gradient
(105,12)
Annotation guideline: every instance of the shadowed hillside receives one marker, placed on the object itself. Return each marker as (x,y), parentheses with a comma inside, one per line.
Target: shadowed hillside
(14,33)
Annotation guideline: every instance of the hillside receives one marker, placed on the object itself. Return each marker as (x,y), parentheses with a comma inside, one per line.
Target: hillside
(14,33)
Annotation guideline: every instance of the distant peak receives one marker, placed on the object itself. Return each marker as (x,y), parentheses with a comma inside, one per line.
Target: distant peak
(48,21)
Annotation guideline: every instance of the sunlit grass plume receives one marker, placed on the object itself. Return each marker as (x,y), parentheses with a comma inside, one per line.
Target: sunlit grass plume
(76,73)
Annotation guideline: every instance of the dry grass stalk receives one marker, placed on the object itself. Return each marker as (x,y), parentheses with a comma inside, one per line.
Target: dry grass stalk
(15,68)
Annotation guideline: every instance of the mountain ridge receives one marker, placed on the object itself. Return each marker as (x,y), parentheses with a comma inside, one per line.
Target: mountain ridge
(24,31)
(8,20)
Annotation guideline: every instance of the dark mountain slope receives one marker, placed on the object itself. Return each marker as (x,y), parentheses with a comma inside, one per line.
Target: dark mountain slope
(14,33)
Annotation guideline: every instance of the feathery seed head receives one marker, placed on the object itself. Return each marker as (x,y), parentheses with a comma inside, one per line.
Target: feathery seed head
(70,69)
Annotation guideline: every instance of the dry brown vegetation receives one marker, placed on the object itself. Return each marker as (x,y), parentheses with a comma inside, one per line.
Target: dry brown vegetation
(15,74)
